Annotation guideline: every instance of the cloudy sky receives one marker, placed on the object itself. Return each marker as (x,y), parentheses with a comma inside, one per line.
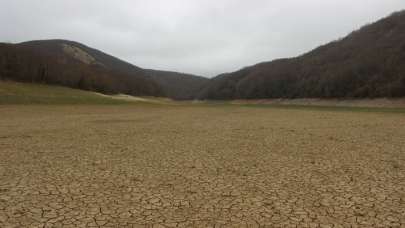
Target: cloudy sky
(204,37)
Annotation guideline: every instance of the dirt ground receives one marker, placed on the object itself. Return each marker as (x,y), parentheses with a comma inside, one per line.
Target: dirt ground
(200,166)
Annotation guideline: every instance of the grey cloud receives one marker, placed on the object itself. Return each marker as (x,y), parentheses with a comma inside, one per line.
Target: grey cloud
(201,37)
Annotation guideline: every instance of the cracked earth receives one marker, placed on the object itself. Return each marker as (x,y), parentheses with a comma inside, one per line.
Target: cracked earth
(191,166)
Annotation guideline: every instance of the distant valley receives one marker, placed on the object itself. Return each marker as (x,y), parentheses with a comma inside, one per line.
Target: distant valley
(368,63)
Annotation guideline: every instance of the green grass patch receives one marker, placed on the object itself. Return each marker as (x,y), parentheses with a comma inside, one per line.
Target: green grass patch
(29,93)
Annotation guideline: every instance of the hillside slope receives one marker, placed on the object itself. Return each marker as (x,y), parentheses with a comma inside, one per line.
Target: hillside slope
(369,62)
(75,65)
(178,86)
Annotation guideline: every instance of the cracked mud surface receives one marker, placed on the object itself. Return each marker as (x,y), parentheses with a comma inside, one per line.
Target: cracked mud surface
(129,166)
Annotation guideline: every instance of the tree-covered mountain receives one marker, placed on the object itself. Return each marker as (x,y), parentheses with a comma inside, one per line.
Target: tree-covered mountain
(71,64)
(369,62)
(75,65)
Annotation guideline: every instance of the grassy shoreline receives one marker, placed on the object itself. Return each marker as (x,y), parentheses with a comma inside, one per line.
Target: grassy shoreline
(17,93)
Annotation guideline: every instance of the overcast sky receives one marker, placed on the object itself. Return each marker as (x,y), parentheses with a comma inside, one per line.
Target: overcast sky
(204,37)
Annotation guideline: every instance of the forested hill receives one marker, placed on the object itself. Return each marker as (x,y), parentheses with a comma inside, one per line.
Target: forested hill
(72,64)
(370,62)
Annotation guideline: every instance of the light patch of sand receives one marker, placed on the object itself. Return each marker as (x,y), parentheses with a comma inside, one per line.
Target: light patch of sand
(126,97)
(78,54)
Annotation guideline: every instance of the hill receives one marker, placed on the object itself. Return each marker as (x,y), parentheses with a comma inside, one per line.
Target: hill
(369,62)
(72,64)
(178,86)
